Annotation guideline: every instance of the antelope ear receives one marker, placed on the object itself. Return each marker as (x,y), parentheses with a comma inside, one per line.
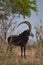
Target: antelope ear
(27,30)
(31,34)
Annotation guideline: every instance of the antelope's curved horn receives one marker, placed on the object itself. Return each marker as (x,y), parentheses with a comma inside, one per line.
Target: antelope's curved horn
(26,22)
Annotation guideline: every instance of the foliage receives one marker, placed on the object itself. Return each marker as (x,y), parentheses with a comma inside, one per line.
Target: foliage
(23,7)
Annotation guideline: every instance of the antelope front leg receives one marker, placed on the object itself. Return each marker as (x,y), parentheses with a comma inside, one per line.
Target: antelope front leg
(21,51)
(25,52)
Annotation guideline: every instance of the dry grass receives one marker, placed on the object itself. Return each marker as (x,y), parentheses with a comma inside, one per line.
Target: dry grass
(34,56)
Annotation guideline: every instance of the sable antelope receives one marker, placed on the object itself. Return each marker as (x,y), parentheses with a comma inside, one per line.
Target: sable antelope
(21,39)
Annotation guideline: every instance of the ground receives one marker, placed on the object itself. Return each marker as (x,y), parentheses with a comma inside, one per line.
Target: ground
(34,56)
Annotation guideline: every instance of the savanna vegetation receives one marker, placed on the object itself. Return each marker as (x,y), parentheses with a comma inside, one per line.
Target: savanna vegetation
(34,53)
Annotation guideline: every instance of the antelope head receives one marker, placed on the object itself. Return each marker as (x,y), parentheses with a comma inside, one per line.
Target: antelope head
(28,30)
